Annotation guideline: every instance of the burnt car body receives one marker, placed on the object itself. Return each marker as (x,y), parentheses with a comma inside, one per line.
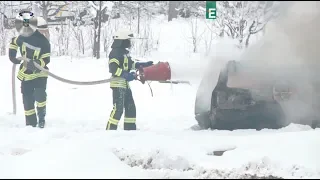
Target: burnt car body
(246,104)
(236,108)
(275,81)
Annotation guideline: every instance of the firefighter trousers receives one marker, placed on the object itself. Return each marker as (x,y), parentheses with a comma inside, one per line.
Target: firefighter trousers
(34,91)
(122,100)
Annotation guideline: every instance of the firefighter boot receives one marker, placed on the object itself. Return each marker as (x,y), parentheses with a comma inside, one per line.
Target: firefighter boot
(31,120)
(31,117)
(129,126)
(113,122)
(111,126)
(41,116)
(129,123)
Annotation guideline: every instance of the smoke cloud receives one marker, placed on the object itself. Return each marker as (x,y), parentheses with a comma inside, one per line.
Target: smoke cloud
(288,52)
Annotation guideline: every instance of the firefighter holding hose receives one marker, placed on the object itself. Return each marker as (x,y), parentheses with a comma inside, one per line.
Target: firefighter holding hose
(35,46)
(120,65)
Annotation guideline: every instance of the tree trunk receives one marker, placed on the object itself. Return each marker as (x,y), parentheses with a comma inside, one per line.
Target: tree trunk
(99,31)
(173,13)
(44,9)
(249,35)
(138,17)
(3,34)
(45,6)
(82,44)
(95,37)
(247,40)
(62,39)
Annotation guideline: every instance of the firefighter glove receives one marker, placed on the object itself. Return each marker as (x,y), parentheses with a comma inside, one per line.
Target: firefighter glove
(32,67)
(128,76)
(143,64)
(15,60)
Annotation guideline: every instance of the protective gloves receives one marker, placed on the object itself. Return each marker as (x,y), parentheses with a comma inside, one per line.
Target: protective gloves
(30,66)
(128,76)
(143,64)
(15,60)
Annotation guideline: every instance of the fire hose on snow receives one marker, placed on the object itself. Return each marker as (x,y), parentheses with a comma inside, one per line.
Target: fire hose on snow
(160,72)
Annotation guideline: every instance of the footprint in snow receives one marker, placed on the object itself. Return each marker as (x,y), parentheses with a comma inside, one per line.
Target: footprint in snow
(19,151)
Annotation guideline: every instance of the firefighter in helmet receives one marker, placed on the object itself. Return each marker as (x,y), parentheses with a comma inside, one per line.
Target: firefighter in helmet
(120,65)
(36,47)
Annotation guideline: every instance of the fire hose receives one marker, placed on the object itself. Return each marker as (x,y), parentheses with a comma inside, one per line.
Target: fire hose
(103,81)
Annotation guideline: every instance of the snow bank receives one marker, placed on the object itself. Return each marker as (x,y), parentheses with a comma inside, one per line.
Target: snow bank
(60,159)
(163,154)
(251,156)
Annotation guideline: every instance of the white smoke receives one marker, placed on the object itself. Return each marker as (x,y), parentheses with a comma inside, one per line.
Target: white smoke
(224,52)
(290,52)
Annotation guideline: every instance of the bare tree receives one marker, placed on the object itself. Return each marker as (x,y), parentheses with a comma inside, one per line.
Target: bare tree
(195,32)
(187,9)
(136,11)
(101,13)
(3,36)
(195,35)
(99,32)
(138,19)
(50,8)
(49,11)
(172,12)
(78,35)
(241,19)
(6,24)
(108,30)
(208,40)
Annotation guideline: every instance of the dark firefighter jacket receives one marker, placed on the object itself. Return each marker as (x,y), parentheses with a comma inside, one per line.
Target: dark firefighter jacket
(120,61)
(33,47)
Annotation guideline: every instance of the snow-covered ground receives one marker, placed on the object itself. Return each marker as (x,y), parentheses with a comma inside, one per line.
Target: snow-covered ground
(74,143)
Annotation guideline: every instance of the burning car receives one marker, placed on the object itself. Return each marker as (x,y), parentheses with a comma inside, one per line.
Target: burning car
(274,82)
(241,108)
(240,100)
